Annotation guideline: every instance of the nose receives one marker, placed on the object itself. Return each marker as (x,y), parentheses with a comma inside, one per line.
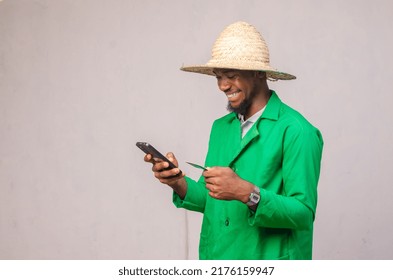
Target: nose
(224,84)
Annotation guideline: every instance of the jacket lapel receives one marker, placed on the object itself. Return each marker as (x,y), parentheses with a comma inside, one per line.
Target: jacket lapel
(261,126)
(243,143)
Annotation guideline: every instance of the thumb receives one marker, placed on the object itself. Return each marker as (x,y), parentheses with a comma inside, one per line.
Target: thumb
(171,157)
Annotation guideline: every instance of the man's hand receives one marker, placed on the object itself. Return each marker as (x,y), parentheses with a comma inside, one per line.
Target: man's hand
(172,177)
(225,184)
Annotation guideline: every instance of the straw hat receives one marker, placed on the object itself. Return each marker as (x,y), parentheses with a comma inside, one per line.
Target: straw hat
(240,46)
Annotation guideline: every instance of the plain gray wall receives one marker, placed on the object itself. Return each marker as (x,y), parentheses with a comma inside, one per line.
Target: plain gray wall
(82,81)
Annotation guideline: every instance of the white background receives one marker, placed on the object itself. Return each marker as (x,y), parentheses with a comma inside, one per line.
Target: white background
(82,81)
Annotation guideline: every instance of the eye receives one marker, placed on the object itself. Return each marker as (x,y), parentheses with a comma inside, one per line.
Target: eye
(233,76)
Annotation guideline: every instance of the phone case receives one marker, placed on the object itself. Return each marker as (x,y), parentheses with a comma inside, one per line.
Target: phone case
(149,149)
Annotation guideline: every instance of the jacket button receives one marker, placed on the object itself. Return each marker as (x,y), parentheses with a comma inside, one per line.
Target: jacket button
(227,222)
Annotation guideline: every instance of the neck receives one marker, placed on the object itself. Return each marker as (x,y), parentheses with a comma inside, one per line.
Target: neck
(260,100)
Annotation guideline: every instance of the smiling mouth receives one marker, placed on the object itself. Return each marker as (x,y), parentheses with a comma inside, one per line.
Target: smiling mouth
(232,95)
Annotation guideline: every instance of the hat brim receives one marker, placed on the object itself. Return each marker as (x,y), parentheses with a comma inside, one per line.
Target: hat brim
(272,74)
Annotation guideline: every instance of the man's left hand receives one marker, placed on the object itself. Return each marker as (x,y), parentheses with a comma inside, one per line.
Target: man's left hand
(225,184)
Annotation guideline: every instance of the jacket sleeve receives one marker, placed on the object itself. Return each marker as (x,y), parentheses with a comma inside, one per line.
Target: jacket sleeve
(295,207)
(195,199)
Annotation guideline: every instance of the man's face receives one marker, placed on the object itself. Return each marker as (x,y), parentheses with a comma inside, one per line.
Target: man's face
(239,86)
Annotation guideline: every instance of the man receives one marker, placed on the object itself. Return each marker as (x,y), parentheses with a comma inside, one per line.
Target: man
(259,193)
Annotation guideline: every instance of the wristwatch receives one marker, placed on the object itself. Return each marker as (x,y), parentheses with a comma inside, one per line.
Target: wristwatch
(254,197)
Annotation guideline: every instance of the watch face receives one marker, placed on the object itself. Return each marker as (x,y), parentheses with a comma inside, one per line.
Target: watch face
(253,199)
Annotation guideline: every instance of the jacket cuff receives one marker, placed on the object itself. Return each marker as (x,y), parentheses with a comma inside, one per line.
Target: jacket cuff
(194,199)
(254,215)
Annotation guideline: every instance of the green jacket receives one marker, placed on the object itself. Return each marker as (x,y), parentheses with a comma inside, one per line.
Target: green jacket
(281,154)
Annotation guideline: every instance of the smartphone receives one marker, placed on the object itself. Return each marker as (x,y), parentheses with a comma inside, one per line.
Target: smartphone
(149,149)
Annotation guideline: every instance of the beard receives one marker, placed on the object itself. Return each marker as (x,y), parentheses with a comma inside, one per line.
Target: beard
(241,109)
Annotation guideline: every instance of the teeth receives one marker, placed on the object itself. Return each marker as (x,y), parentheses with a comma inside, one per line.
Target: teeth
(232,95)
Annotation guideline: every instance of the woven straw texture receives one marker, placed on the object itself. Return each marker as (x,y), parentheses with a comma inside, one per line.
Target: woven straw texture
(240,46)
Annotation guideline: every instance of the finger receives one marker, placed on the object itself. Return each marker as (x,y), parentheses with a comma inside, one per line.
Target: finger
(148,158)
(171,180)
(211,171)
(209,180)
(207,173)
(167,174)
(214,195)
(211,187)
(160,166)
(216,181)
(157,160)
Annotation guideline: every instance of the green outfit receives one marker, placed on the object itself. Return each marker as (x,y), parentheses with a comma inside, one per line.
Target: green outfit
(280,154)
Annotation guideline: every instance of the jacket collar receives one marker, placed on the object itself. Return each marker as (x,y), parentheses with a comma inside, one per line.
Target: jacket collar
(273,106)
(272,110)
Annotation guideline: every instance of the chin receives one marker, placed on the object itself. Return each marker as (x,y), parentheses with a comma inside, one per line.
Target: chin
(239,109)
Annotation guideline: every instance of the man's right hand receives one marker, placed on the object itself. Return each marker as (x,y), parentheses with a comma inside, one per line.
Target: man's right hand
(172,177)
